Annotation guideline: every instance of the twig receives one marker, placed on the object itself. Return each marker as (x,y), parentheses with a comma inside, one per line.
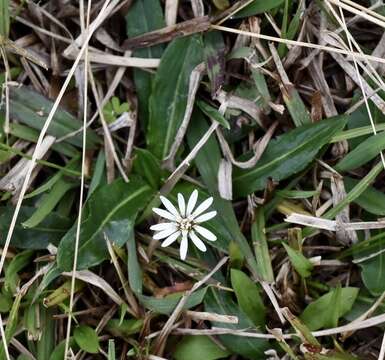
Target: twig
(168,33)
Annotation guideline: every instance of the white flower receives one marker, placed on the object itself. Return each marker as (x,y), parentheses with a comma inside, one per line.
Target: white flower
(184,223)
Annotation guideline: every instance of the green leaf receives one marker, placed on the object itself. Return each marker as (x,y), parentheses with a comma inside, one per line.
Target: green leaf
(371,200)
(144,16)
(87,339)
(148,167)
(48,202)
(46,344)
(32,109)
(220,303)
(287,155)
(300,263)
(214,55)
(362,154)
(4,18)
(27,133)
(11,327)
(170,91)
(213,113)
(20,261)
(50,230)
(199,347)
(167,304)
(296,194)
(134,270)
(58,353)
(325,305)
(258,7)
(248,297)
(261,249)
(111,209)
(373,272)
(124,328)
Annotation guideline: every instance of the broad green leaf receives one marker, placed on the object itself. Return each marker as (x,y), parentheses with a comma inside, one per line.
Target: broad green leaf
(287,155)
(27,133)
(110,210)
(87,339)
(148,167)
(144,16)
(48,202)
(258,7)
(198,347)
(32,109)
(50,230)
(371,200)
(248,297)
(214,55)
(373,272)
(207,161)
(220,303)
(170,91)
(17,263)
(325,306)
(300,263)
(168,303)
(124,328)
(362,154)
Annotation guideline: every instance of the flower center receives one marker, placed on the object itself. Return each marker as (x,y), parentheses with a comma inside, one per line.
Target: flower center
(185,224)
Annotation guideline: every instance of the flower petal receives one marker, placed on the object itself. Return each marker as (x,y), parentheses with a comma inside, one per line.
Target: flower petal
(205,217)
(169,206)
(202,207)
(192,202)
(164,214)
(205,233)
(197,242)
(183,246)
(162,226)
(165,233)
(170,239)
(181,204)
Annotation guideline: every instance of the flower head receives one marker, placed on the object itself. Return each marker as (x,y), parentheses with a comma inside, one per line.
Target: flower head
(184,223)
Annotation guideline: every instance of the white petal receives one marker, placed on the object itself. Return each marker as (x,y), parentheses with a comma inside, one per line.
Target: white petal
(183,246)
(164,214)
(202,207)
(197,242)
(163,234)
(170,239)
(205,217)
(162,226)
(191,202)
(169,206)
(205,233)
(181,204)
